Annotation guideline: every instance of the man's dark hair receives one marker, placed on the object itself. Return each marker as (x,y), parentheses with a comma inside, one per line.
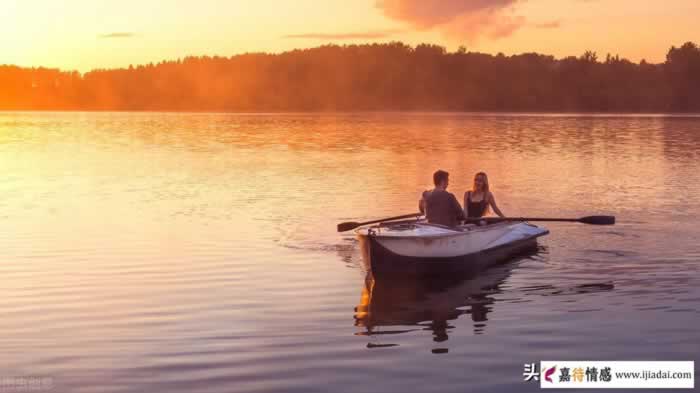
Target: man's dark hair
(439,176)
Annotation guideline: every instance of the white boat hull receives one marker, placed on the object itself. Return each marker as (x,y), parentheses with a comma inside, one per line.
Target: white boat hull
(428,249)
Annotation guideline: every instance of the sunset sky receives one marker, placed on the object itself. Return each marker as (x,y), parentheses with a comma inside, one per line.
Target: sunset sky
(87,34)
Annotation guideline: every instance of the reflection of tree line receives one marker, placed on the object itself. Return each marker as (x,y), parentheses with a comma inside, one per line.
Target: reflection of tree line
(369,77)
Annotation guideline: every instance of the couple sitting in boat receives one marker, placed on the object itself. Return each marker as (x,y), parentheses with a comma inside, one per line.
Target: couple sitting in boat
(441,207)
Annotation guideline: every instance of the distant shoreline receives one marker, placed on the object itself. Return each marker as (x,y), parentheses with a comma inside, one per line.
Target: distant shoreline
(368,78)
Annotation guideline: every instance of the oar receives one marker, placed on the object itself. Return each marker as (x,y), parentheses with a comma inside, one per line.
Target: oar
(346,226)
(593,220)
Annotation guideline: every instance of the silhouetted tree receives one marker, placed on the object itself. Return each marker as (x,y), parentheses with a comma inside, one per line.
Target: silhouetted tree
(683,70)
(391,76)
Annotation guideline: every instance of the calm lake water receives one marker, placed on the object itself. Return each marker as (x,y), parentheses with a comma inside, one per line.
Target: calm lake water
(169,252)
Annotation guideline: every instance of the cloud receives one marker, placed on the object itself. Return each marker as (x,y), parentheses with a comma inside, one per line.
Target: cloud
(345,36)
(117,35)
(555,24)
(463,19)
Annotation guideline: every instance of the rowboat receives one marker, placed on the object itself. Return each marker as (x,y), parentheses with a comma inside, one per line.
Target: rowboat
(421,248)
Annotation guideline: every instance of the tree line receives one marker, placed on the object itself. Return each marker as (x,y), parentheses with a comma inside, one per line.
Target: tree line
(391,76)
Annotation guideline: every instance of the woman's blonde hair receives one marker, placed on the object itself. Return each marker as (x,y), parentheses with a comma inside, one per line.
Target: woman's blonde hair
(486,182)
(485,188)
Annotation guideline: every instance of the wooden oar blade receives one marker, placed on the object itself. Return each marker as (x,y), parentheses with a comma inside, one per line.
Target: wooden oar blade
(346,226)
(598,220)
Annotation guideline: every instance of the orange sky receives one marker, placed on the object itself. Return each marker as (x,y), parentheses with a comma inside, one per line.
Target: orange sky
(87,34)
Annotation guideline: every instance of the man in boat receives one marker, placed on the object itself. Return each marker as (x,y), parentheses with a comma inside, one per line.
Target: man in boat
(440,206)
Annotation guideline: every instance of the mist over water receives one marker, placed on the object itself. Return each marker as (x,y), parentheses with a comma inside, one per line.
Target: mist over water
(172,252)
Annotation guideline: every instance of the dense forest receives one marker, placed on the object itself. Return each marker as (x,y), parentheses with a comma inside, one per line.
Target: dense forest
(390,76)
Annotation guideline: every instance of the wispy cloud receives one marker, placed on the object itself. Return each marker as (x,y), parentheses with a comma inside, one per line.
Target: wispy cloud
(117,35)
(464,19)
(345,36)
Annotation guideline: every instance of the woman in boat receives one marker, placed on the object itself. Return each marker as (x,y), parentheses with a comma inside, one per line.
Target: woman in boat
(479,198)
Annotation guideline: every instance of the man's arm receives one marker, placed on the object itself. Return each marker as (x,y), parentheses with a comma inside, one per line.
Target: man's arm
(421,202)
(457,208)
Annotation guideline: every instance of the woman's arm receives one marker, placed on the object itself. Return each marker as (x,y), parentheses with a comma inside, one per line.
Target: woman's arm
(492,202)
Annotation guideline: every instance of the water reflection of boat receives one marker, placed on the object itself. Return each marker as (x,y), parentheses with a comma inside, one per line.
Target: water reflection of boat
(403,303)
(400,304)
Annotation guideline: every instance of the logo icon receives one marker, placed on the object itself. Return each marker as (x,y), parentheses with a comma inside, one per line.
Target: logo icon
(548,373)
